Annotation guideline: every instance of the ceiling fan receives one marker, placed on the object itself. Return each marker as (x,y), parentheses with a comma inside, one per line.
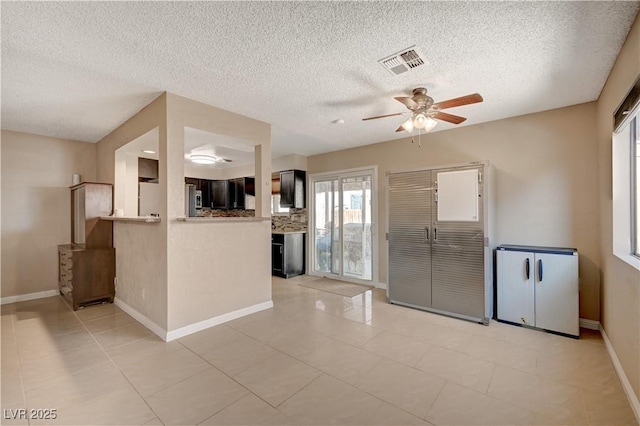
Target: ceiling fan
(424,111)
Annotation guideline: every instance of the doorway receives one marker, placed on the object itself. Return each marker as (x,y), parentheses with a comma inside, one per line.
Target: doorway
(343,213)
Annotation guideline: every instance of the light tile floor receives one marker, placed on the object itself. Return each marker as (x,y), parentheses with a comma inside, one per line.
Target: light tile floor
(315,358)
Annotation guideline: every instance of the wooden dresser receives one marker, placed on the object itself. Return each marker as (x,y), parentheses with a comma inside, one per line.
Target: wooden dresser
(86,267)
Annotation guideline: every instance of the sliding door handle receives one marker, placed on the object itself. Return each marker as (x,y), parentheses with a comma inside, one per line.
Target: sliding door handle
(527,267)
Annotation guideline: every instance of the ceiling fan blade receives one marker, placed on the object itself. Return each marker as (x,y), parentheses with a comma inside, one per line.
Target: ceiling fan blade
(408,102)
(382,116)
(400,129)
(455,119)
(456,102)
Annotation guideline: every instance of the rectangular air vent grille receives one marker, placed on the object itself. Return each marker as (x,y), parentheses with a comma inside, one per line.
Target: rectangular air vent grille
(412,59)
(403,61)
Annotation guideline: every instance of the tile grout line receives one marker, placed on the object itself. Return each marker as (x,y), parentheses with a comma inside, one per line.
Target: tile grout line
(463,353)
(230,377)
(584,405)
(382,358)
(435,399)
(322,372)
(116,365)
(24,391)
(495,365)
(493,373)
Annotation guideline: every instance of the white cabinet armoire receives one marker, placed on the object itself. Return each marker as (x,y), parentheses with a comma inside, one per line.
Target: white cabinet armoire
(538,287)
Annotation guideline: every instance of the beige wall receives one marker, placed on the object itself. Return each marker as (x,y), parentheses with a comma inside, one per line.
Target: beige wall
(177,273)
(215,268)
(36,214)
(545,179)
(289,162)
(620,281)
(141,249)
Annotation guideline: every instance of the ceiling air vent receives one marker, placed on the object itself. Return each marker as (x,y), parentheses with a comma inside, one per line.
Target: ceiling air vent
(403,61)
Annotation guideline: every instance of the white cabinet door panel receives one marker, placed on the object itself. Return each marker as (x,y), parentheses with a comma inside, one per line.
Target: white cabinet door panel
(556,293)
(516,287)
(458,196)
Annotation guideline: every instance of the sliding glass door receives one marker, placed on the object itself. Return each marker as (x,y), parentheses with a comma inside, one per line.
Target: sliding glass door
(341,225)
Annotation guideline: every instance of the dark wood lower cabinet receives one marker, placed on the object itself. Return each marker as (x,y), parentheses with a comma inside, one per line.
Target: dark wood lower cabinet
(287,255)
(86,275)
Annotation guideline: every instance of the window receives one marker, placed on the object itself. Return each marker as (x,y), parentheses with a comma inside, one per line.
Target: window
(625,152)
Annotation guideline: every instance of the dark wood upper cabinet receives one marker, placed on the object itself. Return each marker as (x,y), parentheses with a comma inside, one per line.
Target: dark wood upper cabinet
(250,186)
(147,169)
(192,181)
(219,194)
(205,186)
(224,194)
(293,188)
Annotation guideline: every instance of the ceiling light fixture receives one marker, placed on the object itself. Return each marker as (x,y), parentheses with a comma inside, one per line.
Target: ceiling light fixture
(202,158)
(148,151)
(420,121)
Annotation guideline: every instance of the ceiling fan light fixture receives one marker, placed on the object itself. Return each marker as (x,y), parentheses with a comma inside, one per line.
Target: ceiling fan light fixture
(408,125)
(429,124)
(202,159)
(420,121)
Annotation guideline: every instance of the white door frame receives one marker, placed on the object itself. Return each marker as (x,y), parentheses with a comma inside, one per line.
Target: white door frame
(338,174)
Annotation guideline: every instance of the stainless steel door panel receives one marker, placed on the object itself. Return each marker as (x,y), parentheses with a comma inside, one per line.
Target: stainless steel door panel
(410,200)
(458,263)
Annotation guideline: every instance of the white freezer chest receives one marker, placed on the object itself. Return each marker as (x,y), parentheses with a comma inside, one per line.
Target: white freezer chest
(538,287)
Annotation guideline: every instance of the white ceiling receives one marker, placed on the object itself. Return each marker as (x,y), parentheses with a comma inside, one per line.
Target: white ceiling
(78,70)
(239,151)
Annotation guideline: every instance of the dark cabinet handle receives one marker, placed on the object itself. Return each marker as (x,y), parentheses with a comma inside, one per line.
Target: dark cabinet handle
(280,249)
(435,234)
(426,234)
(540,269)
(527,267)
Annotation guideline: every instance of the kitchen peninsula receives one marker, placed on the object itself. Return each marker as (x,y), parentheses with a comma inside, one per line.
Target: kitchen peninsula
(181,275)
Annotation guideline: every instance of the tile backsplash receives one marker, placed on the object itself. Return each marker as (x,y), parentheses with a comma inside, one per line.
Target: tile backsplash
(295,220)
(225,213)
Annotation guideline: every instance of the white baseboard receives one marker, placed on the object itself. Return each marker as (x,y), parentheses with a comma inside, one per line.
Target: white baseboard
(626,385)
(198,326)
(589,324)
(168,336)
(29,296)
(142,319)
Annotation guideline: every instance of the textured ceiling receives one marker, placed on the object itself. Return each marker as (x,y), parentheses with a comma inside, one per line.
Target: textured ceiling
(79,69)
